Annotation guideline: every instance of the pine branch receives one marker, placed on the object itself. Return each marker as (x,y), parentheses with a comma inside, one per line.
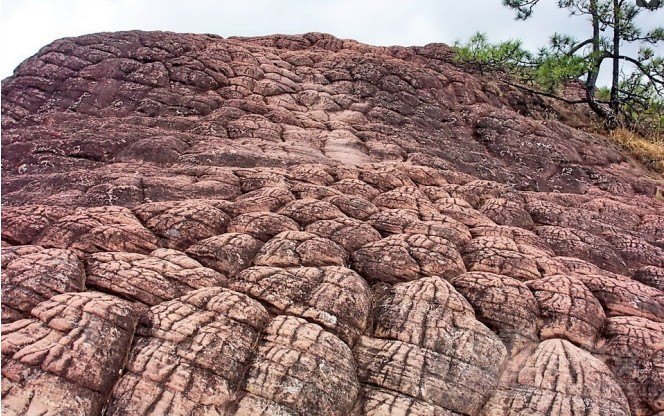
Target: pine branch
(576,48)
(546,94)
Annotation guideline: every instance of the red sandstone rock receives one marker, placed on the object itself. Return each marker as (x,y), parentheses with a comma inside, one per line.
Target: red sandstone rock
(163,275)
(262,225)
(334,297)
(568,310)
(299,248)
(191,356)
(66,357)
(348,233)
(226,253)
(504,304)
(89,230)
(304,225)
(634,353)
(33,274)
(184,223)
(558,379)
(403,257)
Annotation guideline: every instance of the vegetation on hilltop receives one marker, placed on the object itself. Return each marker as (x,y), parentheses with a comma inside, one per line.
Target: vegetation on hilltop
(632,105)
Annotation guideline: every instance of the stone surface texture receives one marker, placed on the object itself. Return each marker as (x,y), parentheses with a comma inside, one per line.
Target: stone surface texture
(304,225)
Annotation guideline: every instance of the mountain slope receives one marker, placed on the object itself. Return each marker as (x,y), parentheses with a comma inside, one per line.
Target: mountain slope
(299,225)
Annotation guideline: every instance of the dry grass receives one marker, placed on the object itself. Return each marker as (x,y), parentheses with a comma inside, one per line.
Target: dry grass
(649,151)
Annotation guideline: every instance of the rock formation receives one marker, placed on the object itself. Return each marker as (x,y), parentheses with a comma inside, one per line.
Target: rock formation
(304,225)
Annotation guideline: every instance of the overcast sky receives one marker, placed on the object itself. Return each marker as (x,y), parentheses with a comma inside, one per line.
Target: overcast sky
(27,25)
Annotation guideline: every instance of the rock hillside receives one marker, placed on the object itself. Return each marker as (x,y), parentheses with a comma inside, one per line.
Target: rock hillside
(304,225)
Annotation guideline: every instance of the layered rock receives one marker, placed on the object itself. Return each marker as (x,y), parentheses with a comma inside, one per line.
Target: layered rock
(303,225)
(33,274)
(66,357)
(427,345)
(150,279)
(558,378)
(192,355)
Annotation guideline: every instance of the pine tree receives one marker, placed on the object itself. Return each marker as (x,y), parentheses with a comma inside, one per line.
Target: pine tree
(631,92)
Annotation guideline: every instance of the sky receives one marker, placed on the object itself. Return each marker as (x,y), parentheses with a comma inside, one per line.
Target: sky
(27,25)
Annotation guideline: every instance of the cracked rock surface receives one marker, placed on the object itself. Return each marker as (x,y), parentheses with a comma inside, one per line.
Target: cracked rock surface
(304,225)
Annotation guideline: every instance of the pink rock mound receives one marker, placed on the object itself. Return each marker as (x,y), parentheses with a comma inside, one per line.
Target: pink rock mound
(304,225)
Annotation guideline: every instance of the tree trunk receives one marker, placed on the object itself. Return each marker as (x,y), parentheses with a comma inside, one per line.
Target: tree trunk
(597,57)
(593,72)
(614,103)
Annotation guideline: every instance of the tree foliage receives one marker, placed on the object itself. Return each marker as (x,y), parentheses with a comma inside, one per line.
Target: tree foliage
(509,55)
(544,69)
(636,90)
